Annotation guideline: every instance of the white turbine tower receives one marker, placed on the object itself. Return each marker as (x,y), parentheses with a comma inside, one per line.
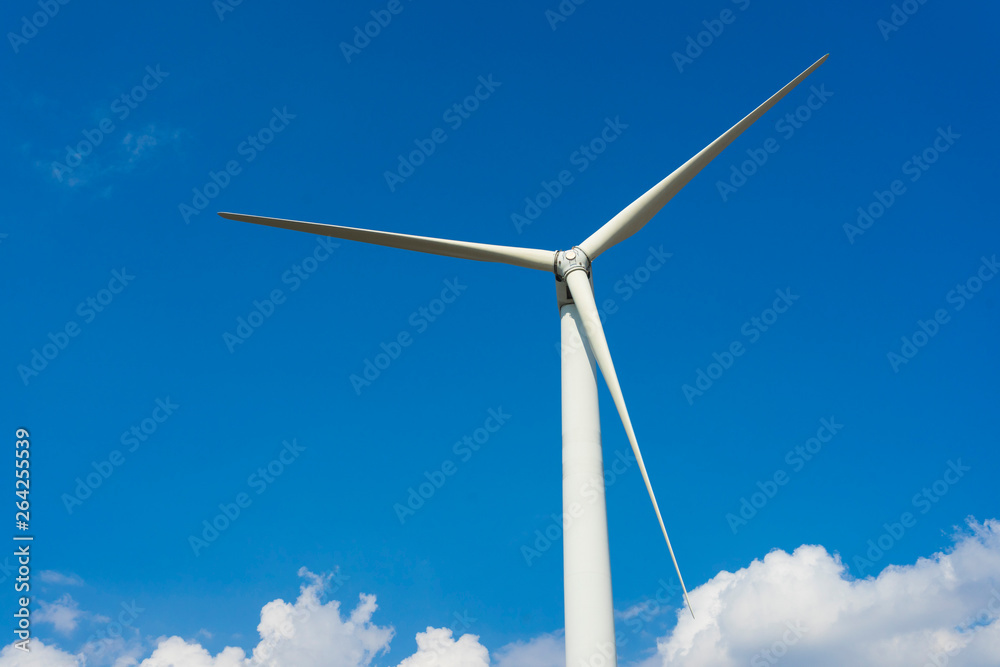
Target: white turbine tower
(589,612)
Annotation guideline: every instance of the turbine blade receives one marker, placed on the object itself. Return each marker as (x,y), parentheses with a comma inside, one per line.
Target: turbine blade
(583,296)
(638,213)
(543,260)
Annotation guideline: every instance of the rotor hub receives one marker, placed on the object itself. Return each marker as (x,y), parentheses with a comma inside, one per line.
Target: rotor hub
(571,260)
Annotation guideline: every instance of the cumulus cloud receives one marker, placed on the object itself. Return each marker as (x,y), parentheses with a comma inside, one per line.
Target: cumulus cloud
(310,632)
(792,609)
(305,633)
(41,655)
(172,651)
(804,608)
(437,648)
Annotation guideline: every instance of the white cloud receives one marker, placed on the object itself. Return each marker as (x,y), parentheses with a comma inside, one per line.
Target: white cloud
(789,609)
(305,633)
(59,579)
(41,655)
(548,650)
(173,651)
(310,632)
(437,648)
(63,614)
(804,609)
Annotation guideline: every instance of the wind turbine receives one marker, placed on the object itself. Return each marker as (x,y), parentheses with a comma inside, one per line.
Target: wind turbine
(589,612)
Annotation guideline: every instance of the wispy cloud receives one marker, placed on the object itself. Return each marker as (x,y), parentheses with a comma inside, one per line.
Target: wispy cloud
(59,579)
(113,159)
(64,614)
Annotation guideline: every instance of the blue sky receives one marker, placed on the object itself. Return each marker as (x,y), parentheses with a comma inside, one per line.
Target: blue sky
(256,108)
